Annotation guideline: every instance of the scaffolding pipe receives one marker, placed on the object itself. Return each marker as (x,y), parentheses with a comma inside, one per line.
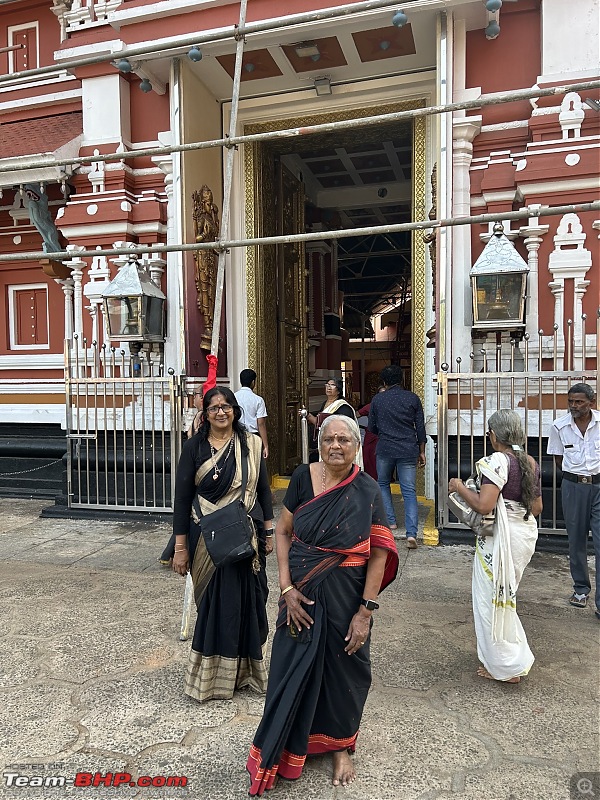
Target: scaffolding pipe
(494,98)
(227,182)
(215,35)
(318,236)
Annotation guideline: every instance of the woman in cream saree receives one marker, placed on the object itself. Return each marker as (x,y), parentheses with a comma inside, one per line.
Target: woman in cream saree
(510,483)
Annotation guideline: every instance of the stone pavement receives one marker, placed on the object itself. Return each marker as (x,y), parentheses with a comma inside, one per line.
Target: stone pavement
(91,672)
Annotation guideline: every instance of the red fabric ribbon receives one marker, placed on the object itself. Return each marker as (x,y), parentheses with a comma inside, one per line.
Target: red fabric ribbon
(211,378)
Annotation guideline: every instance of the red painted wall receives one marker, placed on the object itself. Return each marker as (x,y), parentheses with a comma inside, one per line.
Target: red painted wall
(512,61)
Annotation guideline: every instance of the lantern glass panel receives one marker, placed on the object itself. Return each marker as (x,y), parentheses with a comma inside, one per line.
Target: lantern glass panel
(153,317)
(499,298)
(124,318)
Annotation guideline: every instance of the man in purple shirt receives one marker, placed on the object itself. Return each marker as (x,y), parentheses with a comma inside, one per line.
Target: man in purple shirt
(396,416)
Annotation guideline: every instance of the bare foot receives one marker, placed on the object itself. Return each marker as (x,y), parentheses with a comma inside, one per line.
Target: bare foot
(483,673)
(343,769)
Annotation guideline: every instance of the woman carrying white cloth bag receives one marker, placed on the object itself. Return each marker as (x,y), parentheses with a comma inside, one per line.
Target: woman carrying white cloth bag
(510,483)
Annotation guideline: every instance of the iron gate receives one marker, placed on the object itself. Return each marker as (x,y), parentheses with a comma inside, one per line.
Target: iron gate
(124,428)
(467,399)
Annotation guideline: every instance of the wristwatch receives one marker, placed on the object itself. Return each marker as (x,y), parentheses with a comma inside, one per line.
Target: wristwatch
(370,605)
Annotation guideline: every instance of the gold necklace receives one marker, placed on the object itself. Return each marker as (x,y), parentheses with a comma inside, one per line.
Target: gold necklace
(218,439)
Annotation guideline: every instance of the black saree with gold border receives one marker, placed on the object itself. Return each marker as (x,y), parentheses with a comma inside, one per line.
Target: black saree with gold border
(231,628)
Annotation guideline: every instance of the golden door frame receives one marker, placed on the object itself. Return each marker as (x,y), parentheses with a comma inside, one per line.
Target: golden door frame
(259,179)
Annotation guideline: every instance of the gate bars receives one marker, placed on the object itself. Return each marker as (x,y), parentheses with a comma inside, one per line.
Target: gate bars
(124,429)
(465,401)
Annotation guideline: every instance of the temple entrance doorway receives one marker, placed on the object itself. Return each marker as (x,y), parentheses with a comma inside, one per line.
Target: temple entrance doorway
(335,307)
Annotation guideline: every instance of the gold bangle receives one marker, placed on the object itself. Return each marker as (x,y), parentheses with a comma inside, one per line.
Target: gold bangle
(181,547)
(287,589)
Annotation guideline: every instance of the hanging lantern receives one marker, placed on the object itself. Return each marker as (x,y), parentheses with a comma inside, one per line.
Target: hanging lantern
(499,285)
(134,306)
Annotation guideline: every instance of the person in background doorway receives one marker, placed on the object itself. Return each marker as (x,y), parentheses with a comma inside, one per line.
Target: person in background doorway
(254,411)
(335,403)
(574,442)
(396,416)
(369,447)
(197,420)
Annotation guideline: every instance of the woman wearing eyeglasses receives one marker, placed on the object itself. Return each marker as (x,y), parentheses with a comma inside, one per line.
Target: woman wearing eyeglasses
(231,627)
(335,554)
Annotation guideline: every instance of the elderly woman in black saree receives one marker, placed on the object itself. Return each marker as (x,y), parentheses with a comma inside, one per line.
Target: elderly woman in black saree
(231,628)
(335,554)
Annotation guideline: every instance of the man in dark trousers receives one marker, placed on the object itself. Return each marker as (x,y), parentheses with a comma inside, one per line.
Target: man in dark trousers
(396,416)
(574,441)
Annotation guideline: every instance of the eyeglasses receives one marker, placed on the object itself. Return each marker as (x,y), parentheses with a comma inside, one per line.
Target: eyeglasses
(343,441)
(213,410)
(330,386)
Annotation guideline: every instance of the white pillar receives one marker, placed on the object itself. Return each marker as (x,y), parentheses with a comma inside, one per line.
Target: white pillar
(580,288)
(170,165)
(77,266)
(465,129)
(67,287)
(532,234)
(557,287)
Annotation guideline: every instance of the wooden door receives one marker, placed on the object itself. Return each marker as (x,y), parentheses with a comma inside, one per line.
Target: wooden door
(292,370)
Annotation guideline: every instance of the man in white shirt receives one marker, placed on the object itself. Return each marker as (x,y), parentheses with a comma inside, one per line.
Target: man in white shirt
(254,411)
(574,442)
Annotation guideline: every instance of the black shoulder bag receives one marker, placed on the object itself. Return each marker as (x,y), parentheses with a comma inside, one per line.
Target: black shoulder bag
(228,532)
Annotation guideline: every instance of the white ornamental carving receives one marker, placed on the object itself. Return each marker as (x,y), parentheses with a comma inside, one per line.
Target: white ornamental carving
(571,115)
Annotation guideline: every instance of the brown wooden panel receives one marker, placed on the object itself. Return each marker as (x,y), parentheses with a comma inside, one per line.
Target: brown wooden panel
(31,316)
(26,57)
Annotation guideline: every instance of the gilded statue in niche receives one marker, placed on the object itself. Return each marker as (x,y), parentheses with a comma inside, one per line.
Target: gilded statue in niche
(206,229)
(430,239)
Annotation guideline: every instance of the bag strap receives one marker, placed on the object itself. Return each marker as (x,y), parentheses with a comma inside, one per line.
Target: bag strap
(244,476)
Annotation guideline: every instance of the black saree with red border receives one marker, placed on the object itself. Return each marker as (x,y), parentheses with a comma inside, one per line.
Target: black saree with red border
(316,691)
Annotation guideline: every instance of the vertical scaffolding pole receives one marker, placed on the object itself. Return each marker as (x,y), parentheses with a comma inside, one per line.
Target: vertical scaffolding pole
(235,98)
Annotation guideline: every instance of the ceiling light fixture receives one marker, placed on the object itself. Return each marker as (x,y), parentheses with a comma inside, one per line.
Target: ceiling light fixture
(124,65)
(249,67)
(493,5)
(399,19)
(385,45)
(307,50)
(322,86)
(146,86)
